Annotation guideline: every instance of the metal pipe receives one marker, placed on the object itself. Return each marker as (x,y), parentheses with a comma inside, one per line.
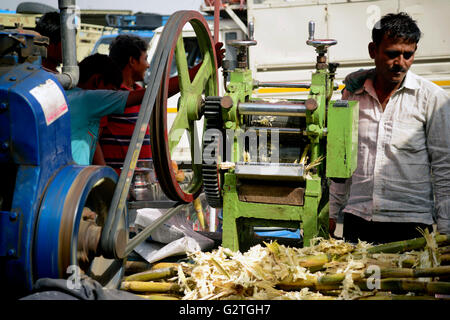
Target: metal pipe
(258,84)
(272,109)
(217,5)
(70,73)
(280,130)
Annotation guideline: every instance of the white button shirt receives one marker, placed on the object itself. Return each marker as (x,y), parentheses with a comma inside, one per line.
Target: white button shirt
(403,171)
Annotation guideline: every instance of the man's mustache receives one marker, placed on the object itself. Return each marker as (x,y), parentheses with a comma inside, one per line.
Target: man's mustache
(397,69)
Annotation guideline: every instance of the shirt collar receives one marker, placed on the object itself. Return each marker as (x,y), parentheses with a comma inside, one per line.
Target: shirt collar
(410,82)
(368,87)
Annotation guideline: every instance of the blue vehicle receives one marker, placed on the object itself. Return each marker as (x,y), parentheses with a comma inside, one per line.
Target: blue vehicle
(141,25)
(102,45)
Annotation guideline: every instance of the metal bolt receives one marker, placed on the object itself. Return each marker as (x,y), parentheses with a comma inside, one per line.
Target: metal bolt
(3,106)
(314,90)
(4,146)
(226,102)
(13,216)
(228,125)
(11,252)
(311,104)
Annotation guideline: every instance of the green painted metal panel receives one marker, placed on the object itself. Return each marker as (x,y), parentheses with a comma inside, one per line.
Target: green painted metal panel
(342,138)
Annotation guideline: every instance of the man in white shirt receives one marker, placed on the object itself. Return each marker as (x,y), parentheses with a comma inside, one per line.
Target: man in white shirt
(402,180)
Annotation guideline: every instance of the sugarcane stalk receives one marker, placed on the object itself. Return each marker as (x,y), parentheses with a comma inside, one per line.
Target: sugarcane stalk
(163,265)
(331,293)
(412,273)
(132,267)
(313,261)
(160,296)
(397,297)
(326,282)
(149,286)
(199,210)
(323,297)
(443,250)
(321,283)
(408,285)
(220,268)
(444,258)
(306,284)
(438,287)
(406,245)
(152,274)
(432,272)
(409,262)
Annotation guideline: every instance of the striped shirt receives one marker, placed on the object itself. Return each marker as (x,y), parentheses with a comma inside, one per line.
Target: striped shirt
(117,130)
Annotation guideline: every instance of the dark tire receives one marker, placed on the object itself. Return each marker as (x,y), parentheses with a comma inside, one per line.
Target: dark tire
(34,8)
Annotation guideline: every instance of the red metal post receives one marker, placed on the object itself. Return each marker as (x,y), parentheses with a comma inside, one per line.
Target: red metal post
(217,5)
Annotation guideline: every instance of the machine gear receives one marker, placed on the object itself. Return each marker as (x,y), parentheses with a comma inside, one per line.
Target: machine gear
(210,171)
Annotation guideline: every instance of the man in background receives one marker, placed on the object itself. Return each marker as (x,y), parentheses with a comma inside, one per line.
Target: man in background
(96,96)
(129,52)
(402,180)
(49,26)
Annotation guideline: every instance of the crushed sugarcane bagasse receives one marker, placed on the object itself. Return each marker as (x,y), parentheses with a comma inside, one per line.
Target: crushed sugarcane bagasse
(327,269)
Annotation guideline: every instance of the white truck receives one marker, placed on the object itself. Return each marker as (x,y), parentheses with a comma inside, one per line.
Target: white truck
(281,30)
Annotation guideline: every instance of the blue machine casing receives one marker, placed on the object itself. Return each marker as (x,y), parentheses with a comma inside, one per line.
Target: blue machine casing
(42,191)
(39,229)
(38,151)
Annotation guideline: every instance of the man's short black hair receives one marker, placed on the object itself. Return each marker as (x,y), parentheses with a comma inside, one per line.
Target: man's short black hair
(396,26)
(125,46)
(103,65)
(49,25)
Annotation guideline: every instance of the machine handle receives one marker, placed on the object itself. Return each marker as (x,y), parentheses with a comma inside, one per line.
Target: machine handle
(321,45)
(251,30)
(311,29)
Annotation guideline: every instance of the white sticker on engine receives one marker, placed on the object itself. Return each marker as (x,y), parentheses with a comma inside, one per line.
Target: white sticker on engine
(51,99)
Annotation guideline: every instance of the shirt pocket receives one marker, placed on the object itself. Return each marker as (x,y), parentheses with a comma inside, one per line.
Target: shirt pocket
(408,136)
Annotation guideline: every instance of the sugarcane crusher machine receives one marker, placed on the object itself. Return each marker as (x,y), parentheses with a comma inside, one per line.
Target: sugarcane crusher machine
(265,162)
(277,155)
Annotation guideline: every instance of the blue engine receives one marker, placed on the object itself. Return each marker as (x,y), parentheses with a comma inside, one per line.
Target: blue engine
(42,191)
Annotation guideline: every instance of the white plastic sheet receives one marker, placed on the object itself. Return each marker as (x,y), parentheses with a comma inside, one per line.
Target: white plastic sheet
(174,237)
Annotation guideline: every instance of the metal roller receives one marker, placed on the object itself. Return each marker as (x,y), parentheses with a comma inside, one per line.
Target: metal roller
(272,109)
(280,130)
(258,84)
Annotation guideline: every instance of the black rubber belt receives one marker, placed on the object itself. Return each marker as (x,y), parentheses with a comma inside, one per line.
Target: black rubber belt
(157,69)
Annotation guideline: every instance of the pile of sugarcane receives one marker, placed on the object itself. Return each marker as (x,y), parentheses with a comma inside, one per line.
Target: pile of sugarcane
(328,269)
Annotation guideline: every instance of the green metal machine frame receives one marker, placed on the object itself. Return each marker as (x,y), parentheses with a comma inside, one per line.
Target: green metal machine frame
(331,127)
(330,134)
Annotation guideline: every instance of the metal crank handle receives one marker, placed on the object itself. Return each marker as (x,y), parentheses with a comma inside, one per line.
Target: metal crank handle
(320,44)
(311,29)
